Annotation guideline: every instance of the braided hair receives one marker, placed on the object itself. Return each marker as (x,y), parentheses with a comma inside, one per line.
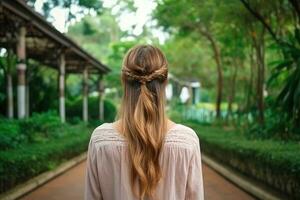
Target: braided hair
(142,115)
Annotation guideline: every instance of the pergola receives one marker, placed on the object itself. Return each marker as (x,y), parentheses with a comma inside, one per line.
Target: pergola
(29,35)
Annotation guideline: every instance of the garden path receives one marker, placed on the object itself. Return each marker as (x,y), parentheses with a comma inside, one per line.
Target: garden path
(70,185)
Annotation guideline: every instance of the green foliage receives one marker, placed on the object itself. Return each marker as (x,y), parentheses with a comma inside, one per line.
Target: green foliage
(7,65)
(90,4)
(197,67)
(289,97)
(39,128)
(22,163)
(115,58)
(10,134)
(201,113)
(31,146)
(241,31)
(42,87)
(275,163)
(74,109)
(279,127)
(96,34)
(66,4)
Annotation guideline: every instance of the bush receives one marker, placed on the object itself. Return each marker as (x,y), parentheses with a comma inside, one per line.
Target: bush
(20,164)
(31,146)
(277,126)
(276,163)
(109,109)
(74,109)
(10,136)
(40,127)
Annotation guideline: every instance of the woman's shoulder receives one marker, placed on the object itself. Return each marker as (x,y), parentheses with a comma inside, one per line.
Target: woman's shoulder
(101,128)
(182,135)
(106,134)
(179,135)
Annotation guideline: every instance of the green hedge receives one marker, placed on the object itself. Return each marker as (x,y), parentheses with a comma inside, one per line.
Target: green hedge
(39,127)
(275,163)
(10,136)
(32,146)
(74,109)
(21,164)
(27,161)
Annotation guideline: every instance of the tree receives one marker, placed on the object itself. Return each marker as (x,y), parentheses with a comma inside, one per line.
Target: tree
(81,7)
(185,64)
(233,57)
(288,41)
(195,16)
(96,34)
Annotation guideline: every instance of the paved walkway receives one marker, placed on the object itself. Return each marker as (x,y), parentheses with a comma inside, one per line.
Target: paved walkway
(70,186)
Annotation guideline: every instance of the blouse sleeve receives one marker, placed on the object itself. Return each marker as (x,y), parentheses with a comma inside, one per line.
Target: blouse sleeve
(194,188)
(92,186)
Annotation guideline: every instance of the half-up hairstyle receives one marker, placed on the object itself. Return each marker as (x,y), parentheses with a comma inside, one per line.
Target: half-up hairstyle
(142,115)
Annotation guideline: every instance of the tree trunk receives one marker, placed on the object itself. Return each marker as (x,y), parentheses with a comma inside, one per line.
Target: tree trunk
(260,85)
(231,95)
(217,57)
(220,80)
(251,81)
(259,48)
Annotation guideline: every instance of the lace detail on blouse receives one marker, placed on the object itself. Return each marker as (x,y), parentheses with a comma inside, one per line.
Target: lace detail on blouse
(178,135)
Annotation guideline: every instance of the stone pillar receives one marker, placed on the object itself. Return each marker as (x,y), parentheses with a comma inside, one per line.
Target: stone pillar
(10,98)
(85,95)
(27,99)
(101,95)
(21,68)
(62,109)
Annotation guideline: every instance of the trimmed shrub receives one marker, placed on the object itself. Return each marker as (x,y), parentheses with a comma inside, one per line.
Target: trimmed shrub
(32,146)
(275,163)
(74,109)
(10,136)
(39,127)
(21,164)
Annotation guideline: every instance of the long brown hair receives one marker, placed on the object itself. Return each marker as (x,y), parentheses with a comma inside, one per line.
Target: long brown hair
(142,116)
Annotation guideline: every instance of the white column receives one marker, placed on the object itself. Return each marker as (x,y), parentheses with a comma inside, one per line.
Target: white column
(85,95)
(10,104)
(10,98)
(21,68)
(27,99)
(62,109)
(101,102)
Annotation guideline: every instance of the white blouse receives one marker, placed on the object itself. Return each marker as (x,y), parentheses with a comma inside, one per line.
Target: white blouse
(107,174)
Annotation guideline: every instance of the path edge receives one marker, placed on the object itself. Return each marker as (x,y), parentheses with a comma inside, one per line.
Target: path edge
(249,185)
(24,188)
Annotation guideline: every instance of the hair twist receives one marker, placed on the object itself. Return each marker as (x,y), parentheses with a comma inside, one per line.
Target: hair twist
(160,74)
